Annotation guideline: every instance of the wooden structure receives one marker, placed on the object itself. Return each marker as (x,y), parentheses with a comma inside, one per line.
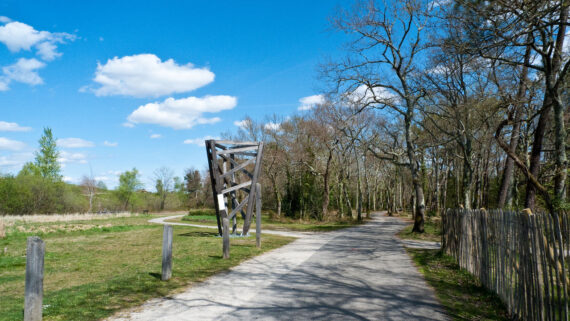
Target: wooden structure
(519,255)
(234,171)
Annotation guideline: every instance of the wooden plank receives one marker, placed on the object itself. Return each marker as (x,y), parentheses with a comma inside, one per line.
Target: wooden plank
(237,150)
(239,167)
(212,165)
(247,221)
(233,142)
(258,216)
(225,235)
(225,157)
(34,288)
(239,207)
(166,253)
(236,187)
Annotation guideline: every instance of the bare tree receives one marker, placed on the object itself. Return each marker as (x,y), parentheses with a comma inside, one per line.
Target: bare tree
(89,186)
(381,70)
(164,178)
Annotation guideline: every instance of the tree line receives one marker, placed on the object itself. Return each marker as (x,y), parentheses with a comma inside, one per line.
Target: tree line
(435,104)
(38,188)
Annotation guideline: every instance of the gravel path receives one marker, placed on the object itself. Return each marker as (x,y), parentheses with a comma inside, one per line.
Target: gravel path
(359,273)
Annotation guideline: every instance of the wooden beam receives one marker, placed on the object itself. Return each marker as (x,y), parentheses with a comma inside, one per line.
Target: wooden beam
(236,187)
(236,150)
(239,207)
(233,142)
(247,221)
(239,167)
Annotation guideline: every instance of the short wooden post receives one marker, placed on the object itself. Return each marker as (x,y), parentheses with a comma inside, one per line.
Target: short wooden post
(225,234)
(166,253)
(258,216)
(34,292)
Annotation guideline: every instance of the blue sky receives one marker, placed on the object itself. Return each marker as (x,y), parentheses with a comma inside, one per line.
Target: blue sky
(124,84)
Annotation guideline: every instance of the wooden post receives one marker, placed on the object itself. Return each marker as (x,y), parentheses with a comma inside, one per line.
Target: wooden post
(225,234)
(34,292)
(258,216)
(166,253)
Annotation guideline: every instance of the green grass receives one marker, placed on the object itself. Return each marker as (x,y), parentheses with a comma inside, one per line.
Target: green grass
(432,232)
(458,291)
(202,217)
(93,273)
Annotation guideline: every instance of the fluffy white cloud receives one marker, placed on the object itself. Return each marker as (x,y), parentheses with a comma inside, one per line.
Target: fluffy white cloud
(199,141)
(182,113)
(155,136)
(110,144)
(15,160)
(24,71)
(9,144)
(4,19)
(310,102)
(145,75)
(242,123)
(364,95)
(73,142)
(12,127)
(20,36)
(67,157)
(272,126)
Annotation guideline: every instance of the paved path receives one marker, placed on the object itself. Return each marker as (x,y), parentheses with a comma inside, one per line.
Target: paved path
(163,220)
(359,273)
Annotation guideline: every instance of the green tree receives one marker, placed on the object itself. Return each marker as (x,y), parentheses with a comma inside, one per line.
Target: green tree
(46,157)
(129,183)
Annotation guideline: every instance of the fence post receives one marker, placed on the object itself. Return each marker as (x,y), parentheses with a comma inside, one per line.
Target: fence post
(34,291)
(225,234)
(258,216)
(166,253)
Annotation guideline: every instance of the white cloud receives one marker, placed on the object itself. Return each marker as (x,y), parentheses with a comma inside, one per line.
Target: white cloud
(199,141)
(310,102)
(182,113)
(145,75)
(9,144)
(67,179)
(128,125)
(364,95)
(12,127)
(155,136)
(20,36)
(4,19)
(24,71)
(110,144)
(67,157)
(73,142)
(242,123)
(15,160)
(439,3)
(272,126)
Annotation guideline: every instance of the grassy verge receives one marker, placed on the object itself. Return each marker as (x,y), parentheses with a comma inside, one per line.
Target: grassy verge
(113,264)
(459,292)
(208,217)
(432,232)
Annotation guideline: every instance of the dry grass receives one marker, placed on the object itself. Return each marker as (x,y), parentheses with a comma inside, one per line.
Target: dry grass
(50,218)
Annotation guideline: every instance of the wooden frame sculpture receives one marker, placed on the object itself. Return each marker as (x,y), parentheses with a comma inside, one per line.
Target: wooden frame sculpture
(230,164)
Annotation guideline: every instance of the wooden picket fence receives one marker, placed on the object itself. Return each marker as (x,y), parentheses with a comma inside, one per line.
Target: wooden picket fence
(522,257)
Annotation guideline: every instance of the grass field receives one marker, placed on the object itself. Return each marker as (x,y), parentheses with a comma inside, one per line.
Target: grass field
(96,267)
(458,291)
(208,217)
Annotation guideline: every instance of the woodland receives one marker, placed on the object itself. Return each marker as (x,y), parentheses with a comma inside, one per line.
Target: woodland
(435,105)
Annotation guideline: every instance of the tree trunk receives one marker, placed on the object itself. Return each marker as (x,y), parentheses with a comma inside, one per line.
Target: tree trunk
(505,191)
(326,188)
